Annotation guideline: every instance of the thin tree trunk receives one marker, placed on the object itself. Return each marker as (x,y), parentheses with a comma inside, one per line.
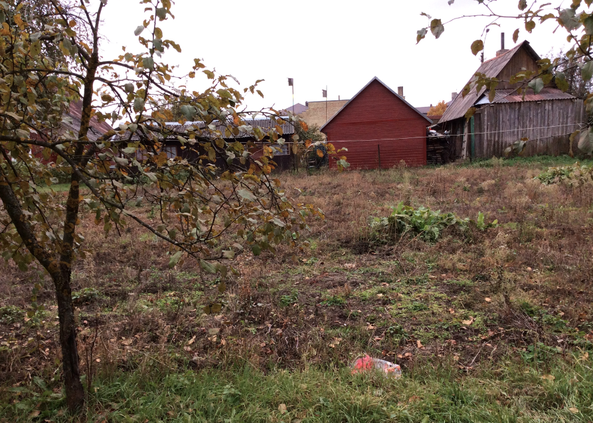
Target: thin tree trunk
(60,271)
(70,362)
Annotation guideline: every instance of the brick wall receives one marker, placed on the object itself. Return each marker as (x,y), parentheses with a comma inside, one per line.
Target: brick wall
(316,113)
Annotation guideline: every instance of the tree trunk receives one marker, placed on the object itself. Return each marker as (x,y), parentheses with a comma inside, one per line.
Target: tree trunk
(74,389)
(60,271)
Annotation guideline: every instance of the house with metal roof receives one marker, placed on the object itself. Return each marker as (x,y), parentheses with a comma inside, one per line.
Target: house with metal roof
(545,119)
(69,128)
(379,129)
(245,134)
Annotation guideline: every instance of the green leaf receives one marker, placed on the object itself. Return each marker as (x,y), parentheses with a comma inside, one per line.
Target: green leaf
(246,194)
(129,88)
(437,28)
(121,161)
(256,249)
(536,85)
(222,287)
(175,259)
(477,46)
(588,23)
(23,133)
(207,267)
(2,17)
(139,30)
(587,70)
(188,111)
(278,222)
(138,104)
(561,82)
(586,141)
(161,12)
(569,19)
(148,62)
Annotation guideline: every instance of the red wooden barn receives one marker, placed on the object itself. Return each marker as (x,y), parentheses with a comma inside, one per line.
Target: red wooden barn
(379,128)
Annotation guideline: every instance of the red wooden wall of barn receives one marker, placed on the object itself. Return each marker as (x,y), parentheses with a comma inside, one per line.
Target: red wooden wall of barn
(378,126)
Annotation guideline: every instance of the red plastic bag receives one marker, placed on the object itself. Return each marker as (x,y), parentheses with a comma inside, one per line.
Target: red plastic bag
(367,363)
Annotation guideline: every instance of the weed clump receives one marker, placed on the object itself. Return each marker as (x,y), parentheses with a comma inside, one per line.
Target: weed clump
(575,174)
(421,222)
(11,314)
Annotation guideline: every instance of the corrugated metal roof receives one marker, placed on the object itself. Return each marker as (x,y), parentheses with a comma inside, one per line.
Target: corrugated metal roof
(245,130)
(491,68)
(97,128)
(512,96)
(174,129)
(363,88)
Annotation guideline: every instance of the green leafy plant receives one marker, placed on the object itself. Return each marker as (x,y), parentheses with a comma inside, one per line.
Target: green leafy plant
(481,224)
(575,174)
(423,222)
(11,314)
(289,299)
(85,296)
(333,300)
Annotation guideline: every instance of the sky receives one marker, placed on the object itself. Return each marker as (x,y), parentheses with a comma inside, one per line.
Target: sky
(340,45)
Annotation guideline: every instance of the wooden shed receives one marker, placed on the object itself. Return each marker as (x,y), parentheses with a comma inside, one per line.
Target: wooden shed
(379,128)
(546,119)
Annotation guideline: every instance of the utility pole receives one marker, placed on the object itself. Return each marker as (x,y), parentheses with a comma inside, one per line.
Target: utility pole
(324,93)
(291,84)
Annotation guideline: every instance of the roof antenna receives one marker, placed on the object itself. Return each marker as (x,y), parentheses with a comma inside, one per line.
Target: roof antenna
(482,56)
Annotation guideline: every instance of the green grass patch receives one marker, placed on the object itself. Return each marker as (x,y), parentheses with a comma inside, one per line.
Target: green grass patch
(514,391)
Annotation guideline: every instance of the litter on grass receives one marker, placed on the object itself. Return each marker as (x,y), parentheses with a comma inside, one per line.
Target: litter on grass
(367,363)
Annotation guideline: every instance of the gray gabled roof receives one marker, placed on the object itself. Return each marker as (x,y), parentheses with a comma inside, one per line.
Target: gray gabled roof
(364,88)
(491,68)
(513,96)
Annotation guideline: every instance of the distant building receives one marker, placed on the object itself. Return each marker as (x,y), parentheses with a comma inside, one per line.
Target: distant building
(317,112)
(546,119)
(379,128)
(69,128)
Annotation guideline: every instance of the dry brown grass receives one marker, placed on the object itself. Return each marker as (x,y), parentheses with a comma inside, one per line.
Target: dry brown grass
(524,282)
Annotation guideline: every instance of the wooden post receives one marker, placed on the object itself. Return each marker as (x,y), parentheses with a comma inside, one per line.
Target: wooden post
(473,138)
(379,154)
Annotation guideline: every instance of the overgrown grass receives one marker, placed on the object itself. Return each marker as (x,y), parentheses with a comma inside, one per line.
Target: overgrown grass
(560,390)
(534,161)
(475,321)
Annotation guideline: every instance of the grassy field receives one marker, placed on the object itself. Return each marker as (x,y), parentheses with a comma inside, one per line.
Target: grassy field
(489,322)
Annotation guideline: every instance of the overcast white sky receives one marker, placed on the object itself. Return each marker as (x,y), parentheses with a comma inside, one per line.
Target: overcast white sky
(319,43)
